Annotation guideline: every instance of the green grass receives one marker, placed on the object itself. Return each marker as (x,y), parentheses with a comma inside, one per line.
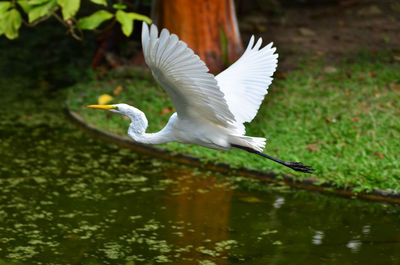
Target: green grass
(345,124)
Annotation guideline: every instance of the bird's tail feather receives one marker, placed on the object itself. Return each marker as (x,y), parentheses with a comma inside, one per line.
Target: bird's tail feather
(255,143)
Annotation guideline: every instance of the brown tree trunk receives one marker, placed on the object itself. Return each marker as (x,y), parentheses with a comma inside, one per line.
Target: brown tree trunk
(202,24)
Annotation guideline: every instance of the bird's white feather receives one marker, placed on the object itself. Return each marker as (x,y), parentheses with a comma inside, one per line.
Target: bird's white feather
(193,91)
(245,82)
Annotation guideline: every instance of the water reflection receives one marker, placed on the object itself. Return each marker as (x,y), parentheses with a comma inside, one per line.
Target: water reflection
(279,202)
(366,229)
(203,204)
(354,245)
(317,238)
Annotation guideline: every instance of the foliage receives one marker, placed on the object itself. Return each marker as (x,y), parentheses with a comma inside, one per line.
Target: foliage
(13,13)
(344,122)
(62,63)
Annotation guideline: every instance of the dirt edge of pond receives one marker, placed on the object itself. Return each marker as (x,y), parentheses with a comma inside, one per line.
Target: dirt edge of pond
(308,184)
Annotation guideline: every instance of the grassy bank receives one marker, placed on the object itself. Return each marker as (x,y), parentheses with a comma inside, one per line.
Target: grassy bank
(342,120)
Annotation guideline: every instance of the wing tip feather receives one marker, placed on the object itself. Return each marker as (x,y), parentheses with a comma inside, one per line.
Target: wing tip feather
(258,44)
(153,30)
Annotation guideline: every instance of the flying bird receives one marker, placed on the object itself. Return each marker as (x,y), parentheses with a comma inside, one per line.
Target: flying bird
(210,110)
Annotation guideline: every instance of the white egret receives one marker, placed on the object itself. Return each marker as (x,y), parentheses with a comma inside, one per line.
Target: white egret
(210,110)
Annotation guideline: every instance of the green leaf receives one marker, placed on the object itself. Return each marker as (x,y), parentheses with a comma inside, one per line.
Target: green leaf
(69,7)
(37,2)
(25,5)
(94,20)
(39,11)
(126,22)
(4,6)
(119,6)
(99,2)
(136,16)
(1,27)
(11,23)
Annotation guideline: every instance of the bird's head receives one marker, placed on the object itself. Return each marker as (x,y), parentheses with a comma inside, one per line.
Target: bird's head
(123,109)
(137,117)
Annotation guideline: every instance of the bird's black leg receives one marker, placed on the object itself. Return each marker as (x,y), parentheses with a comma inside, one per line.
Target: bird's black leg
(297,166)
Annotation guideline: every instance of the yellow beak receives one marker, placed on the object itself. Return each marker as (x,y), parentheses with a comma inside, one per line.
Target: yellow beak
(104,107)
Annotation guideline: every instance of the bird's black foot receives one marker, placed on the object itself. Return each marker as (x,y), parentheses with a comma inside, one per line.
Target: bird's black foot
(299,167)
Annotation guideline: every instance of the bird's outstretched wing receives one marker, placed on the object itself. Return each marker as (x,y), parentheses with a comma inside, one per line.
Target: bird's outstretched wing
(245,82)
(193,91)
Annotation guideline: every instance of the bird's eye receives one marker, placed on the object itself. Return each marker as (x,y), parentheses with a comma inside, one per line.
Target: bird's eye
(115,107)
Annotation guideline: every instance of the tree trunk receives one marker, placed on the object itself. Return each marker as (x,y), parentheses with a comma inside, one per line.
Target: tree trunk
(209,27)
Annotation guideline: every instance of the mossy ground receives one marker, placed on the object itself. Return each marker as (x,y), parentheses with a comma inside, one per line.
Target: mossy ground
(343,120)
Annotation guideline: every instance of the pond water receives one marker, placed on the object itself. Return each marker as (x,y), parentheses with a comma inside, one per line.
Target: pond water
(67,198)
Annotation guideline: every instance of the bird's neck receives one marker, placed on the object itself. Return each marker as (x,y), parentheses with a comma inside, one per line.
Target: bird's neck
(147,138)
(138,126)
